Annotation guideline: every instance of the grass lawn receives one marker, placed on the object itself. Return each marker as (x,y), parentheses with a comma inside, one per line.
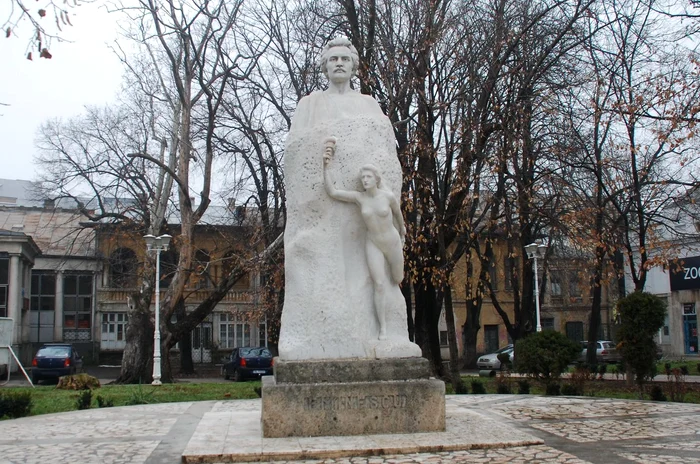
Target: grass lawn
(689,391)
(48,399)
(692,366)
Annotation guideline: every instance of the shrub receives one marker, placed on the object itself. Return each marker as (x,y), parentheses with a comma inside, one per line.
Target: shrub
(615,370)
(104,402)
(461,389)
(667,369)
(684,370)
(78,382)
(697,367)
(138,396)
(641,315)
(578,381)
(84,400)
(571,389)
(478,388)
(553,389)
(545,355)
(503,385)
(503,389)
(523,387)
(602,369)
(15,404)
(676,385)
(657,394)
(505,360)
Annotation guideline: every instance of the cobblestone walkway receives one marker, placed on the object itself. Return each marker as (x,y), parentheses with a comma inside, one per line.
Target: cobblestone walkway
(569,430)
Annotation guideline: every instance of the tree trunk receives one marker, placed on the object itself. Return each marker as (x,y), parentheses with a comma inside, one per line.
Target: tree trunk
(470,328)
(186,363)
(406,290)
(427,336)
(137,360)
(594,321)
(455,376)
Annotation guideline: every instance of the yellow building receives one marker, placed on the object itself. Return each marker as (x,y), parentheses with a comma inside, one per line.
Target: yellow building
(566,298)
(236,320)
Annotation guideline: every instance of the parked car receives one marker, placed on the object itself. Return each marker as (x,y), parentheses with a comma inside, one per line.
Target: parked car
(491,362)
(606,352)
(55,360)
(247,362)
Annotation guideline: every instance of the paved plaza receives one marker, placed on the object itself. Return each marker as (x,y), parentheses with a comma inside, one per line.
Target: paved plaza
(480,429)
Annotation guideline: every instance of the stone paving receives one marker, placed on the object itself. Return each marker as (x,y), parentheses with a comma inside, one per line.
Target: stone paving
(481,429)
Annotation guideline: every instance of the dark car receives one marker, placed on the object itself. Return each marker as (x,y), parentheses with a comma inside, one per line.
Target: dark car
(247,362)
(55,360)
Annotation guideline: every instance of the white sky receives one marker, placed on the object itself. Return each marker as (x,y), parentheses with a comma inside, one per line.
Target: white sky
(82,72)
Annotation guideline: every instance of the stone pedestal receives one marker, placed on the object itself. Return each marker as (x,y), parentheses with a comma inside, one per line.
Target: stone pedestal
(351,397)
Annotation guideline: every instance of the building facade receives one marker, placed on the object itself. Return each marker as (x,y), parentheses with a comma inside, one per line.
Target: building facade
(62,280)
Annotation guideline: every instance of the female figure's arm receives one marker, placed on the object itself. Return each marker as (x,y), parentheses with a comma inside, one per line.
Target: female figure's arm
(336,194)
(398,217)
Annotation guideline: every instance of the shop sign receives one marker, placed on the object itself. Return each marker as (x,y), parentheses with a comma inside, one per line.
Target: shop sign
(685,273)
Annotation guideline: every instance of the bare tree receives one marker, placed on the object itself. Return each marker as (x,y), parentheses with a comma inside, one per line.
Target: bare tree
(191,55)
(46,22)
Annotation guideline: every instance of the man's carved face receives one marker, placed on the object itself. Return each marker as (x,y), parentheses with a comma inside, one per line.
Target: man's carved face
(339,64)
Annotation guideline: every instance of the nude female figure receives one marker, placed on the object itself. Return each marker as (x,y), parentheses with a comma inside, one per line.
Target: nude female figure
(385,230)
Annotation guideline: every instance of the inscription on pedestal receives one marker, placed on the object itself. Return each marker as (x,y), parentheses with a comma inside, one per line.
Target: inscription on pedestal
(341,403)
(356,408)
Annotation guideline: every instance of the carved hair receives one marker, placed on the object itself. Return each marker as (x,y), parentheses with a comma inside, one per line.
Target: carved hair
(374,170)
(339,42)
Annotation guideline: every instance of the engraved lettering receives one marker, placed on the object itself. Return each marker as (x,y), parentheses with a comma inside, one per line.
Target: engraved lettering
(340,403)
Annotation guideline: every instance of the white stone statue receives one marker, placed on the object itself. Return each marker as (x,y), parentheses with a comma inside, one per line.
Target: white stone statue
(339,263)
(386,231)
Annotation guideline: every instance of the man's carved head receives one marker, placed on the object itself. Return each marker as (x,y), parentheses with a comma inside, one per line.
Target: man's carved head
(339,41)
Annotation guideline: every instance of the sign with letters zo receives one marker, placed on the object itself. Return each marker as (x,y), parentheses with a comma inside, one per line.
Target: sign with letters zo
(685,274)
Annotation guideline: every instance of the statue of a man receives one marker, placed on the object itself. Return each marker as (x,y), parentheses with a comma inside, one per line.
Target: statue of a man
(329,306)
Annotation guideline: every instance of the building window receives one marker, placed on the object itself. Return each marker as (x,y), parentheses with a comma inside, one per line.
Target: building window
(511,272)
(229,262)
(493,276)
(168,266)
(232,332)
(202,277)
(575,294)
(547,323)
(262,334)
(77,307)
(42,303)
(574,331)
(555,284)
(4,281)
(491,341)
(113,331)
(123,266)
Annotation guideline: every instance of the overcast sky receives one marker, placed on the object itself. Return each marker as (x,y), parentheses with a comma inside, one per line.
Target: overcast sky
(83,72)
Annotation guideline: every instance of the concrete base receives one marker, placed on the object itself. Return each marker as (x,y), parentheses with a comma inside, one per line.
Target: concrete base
(297,402)
(231,432)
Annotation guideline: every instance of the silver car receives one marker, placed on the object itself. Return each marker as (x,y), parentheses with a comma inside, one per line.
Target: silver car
(490,361)
(606,352)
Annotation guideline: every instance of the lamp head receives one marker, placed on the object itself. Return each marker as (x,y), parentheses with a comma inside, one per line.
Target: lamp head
(165,240)
(150,240)
(531,250)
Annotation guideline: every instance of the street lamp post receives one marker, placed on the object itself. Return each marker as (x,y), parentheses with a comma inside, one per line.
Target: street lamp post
(534,251)
(157,244)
